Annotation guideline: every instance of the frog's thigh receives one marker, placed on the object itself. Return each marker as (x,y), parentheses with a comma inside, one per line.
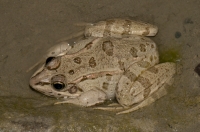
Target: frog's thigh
(125,89)
(88,98)
(146,84)
(155,96)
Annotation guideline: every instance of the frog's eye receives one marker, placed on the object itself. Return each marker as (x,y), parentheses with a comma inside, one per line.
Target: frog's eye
(58,85)
(58,82)
(52,63)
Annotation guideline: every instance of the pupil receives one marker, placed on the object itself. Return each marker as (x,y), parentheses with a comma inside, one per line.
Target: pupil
(58,85)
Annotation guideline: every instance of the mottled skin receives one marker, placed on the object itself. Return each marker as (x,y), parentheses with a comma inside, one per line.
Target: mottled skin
(101,68)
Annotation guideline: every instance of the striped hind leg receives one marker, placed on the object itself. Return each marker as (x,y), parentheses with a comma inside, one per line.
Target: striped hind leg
(155,96)
(147,87)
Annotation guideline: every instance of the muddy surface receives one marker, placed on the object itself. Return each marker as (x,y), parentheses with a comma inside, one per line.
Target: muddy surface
(29,28)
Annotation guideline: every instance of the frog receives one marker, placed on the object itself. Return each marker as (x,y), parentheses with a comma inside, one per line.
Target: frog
(116,61)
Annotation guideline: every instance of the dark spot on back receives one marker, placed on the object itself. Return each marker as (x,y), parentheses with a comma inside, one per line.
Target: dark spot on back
(71,72)
(133,52)
(77,60)
(105,85)
(121,65)
(108,47)
(92,62)
(142,48)
(108,77)
(152,46)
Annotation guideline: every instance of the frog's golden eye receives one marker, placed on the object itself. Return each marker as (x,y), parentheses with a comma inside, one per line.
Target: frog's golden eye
(58,82)
(52,63)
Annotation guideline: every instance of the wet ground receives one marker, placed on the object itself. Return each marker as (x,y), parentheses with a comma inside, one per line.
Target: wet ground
(29,28)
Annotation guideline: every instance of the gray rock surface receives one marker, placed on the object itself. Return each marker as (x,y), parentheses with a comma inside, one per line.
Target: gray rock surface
(29,28)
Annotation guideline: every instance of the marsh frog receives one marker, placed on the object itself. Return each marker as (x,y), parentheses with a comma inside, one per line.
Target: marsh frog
(114,61)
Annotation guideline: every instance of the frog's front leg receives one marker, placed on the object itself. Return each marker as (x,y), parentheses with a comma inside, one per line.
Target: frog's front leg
(141,91)
(156,95)
(89,98)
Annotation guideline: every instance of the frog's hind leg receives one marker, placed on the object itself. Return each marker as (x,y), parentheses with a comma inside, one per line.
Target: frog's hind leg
(148,87)
(161,92)
(158,94)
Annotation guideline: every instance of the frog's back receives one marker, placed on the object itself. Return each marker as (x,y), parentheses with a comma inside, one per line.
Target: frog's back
(109,54)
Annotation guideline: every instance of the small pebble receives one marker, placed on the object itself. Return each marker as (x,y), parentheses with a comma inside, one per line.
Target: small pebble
(177,35)
(197,69)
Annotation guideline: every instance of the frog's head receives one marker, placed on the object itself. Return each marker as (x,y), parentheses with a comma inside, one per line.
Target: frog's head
(50,82)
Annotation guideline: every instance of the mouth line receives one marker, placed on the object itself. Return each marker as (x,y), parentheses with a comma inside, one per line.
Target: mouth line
(42,83)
